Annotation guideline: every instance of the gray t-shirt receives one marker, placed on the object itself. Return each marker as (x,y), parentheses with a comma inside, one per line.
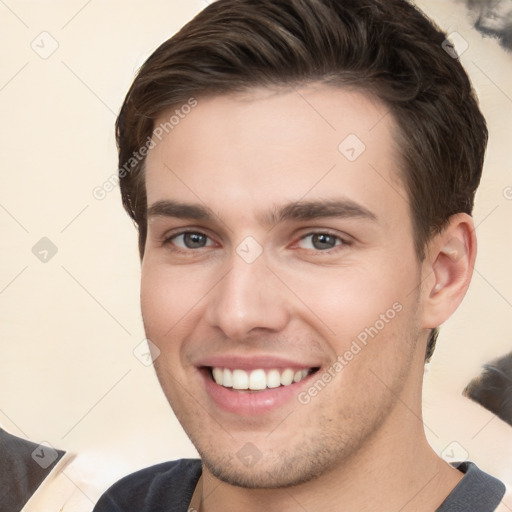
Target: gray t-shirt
(476,492)
(169,487)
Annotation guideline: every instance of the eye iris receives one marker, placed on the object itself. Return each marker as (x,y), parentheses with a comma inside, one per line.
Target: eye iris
(323,241)
(194,240)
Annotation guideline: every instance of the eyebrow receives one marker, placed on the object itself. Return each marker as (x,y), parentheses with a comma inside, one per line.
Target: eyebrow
(167,208)
(295,211)
(311,210)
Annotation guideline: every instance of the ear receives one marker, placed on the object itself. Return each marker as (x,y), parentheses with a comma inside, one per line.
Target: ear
(447,270)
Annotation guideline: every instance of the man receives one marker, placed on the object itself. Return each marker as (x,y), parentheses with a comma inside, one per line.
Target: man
(302,175)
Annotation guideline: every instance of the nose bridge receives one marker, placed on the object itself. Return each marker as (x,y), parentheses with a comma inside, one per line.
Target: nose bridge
(247,298)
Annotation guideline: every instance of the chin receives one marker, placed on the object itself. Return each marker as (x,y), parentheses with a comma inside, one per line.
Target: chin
(287,472)
(276,465)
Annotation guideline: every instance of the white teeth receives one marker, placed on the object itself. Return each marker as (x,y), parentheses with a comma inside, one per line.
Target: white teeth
(301,374)
(217,375)
(257,379)
(227,379)
(240,379)
(273,379)
(287,377)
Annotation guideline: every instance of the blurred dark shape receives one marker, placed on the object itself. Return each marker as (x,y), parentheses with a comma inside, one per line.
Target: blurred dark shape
(20,472)
(494,18)
(493,388)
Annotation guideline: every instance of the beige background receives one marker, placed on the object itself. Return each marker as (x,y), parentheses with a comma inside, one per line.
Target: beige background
(69,326)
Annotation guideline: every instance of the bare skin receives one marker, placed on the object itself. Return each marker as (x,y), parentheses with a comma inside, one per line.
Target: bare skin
(299,292)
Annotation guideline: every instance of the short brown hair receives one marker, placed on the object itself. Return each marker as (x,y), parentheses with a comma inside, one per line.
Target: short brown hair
(387,48)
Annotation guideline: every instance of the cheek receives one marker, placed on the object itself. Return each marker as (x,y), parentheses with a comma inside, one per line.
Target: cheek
(170,305)
(157,303)
(347,302)
(170,297)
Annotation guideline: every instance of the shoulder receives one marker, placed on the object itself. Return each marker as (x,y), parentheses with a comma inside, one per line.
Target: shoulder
(166,486)
(477,491)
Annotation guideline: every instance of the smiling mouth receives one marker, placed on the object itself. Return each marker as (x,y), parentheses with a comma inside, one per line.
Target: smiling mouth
(258,379)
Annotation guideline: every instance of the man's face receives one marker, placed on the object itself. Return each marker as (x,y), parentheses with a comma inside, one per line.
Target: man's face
(280,249)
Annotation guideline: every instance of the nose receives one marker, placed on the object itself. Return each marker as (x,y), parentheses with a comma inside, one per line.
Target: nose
(250,298)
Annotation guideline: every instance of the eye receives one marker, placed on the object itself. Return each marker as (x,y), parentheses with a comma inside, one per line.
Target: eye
(190,240)
(320,241)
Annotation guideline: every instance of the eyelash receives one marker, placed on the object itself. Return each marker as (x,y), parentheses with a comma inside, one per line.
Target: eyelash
(340,241)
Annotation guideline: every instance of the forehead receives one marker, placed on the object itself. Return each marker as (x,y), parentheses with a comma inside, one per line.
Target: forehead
(263,148)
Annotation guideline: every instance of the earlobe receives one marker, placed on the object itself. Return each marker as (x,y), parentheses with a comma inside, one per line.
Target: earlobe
(450,263)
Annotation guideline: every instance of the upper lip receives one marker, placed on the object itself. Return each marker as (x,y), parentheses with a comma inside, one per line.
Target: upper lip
(248,362)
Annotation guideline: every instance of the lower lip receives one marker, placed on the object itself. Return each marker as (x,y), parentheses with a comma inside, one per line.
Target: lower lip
(250,403)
